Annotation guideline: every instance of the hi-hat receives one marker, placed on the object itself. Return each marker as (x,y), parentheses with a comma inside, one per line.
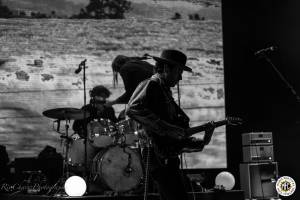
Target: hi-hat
(65,113)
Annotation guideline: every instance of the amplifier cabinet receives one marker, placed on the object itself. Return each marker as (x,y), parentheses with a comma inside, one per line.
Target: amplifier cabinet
(258,153)
(258,180)
(260,138)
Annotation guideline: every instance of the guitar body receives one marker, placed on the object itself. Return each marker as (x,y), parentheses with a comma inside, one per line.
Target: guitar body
(166,147)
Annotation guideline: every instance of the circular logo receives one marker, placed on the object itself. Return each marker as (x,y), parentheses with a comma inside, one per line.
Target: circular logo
(285,186)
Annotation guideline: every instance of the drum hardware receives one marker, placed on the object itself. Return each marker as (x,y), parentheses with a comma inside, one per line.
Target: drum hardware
(66,172)
(117,166)
(64,114)
(83,66)
(76,155)
(128,132)
(67,144)
(101,133)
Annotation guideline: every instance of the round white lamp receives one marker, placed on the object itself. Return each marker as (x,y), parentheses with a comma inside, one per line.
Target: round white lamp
(225,180)
(75,186)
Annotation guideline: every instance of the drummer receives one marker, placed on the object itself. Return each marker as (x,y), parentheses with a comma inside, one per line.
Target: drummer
(96,109)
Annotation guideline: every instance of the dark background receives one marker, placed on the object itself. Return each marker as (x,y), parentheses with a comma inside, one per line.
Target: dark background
(253,91)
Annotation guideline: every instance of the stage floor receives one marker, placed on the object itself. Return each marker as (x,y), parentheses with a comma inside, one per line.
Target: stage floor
(220,195)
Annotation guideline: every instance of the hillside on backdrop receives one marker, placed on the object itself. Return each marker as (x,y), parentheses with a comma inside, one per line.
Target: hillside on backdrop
(139,8)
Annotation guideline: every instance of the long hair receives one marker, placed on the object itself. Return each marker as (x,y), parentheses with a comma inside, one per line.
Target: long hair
(159,67)
(116,65)
(118,62)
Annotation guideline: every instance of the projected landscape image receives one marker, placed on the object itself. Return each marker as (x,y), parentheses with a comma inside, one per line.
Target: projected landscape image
(38,57)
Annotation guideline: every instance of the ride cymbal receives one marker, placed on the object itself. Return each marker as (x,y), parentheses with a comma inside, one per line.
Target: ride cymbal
(65,113)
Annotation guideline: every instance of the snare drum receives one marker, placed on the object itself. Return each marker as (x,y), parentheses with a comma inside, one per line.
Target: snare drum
(76,153)
(118,168)
(128,132)
(101,133)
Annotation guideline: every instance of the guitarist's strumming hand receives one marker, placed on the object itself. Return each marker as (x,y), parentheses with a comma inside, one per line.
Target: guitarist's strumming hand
(208,133)
(179,134)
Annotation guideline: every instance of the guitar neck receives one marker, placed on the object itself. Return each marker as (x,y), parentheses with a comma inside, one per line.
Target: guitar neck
(197,129)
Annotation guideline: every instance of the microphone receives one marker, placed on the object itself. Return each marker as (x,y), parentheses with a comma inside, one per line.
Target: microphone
(78,70)
(262,51)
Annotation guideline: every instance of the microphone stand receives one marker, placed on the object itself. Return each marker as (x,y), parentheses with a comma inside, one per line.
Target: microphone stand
(85,127)
(83,66)
(283,79)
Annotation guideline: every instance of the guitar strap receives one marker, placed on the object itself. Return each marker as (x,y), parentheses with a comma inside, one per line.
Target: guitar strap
(181,119)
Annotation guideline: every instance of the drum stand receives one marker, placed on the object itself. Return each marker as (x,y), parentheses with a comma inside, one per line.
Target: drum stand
(66,173)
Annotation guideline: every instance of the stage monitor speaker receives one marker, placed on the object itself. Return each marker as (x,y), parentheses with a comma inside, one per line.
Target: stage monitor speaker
(258,180)
(26,164)
(258,153)
(260,138)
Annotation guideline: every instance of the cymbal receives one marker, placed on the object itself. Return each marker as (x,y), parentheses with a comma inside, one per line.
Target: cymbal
(65,113)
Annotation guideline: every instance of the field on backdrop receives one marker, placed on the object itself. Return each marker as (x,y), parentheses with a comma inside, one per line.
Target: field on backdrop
(38,58)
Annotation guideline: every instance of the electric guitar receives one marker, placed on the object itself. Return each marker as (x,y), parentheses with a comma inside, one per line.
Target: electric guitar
(227,121)
(173,147)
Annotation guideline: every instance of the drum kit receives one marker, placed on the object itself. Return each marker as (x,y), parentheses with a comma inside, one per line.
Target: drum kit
(110,154)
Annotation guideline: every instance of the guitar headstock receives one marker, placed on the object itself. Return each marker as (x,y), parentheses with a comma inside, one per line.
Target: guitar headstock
(234,121)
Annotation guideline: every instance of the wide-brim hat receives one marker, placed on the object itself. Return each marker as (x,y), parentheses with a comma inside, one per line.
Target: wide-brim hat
(173,57)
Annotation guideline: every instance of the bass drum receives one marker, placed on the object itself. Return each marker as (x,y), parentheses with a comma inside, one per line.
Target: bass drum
(118,168)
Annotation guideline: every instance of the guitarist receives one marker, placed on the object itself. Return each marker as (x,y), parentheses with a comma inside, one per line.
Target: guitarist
(165,123)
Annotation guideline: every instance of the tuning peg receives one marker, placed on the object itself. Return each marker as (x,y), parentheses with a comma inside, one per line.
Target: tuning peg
(234,120)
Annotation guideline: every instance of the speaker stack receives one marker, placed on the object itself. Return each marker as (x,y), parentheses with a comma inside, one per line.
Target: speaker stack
(259,171)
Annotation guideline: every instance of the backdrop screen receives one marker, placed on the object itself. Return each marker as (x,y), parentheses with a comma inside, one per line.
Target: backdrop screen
(38,57)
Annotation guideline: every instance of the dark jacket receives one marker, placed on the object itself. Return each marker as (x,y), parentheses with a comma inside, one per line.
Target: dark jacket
(153,106)
(133,72)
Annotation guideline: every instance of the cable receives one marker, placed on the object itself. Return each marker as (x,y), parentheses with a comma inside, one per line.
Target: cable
(190,182)
(182,155)
(14,195)
(258,166)
(147,171)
